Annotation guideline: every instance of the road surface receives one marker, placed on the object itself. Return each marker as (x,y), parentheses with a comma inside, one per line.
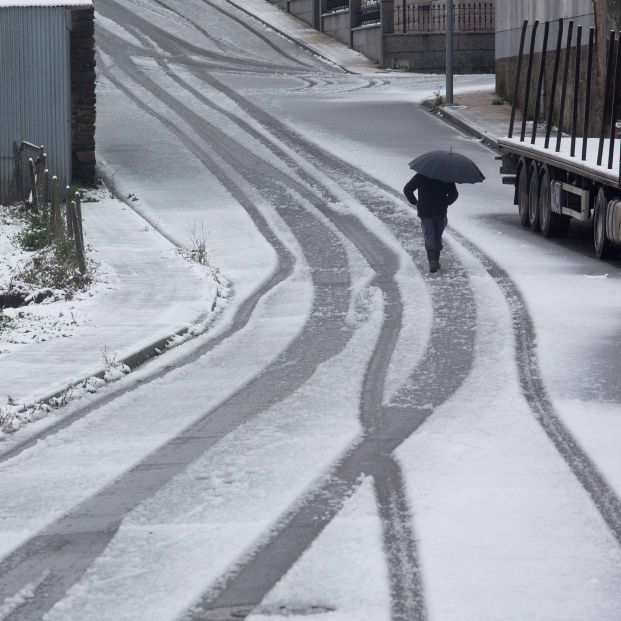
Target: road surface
(354,438)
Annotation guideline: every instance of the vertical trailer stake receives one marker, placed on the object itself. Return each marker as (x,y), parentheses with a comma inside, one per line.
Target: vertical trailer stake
(615,103)
(529,73)
(574,117)
(557,60)
(587,99)
(602,133)
(517,78)
(561,114)
(544,50)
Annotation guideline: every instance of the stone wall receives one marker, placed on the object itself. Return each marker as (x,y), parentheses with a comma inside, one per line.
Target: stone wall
(83,99)
(337,25)
(368,41)
(426,53)
(304,10)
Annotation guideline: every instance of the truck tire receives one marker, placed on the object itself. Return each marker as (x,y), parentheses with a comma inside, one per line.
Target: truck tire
(523,191)
(551,224)
(533,197)
(603,248)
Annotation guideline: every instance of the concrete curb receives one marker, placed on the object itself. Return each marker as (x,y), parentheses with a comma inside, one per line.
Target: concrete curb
(141,355)
(465,126)
(308,47)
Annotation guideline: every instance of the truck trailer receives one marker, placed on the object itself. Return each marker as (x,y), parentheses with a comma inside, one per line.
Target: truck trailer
(563,175)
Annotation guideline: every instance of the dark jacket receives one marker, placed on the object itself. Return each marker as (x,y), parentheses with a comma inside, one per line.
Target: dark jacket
(434,196)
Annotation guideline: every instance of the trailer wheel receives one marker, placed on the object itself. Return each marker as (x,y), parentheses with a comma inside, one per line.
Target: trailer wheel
(552,224)
(533,197)
(523,191)
(603,248)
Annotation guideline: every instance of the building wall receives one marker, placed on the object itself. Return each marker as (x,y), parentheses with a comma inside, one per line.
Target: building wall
(35,95)
(83,97)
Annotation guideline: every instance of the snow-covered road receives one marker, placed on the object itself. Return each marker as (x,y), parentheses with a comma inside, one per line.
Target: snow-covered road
(354,438)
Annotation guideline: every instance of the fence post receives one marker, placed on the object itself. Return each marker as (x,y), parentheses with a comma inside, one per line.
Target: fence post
(78,212)
(79,246)
(46,188)
(55,220)
(70,229)
(33,184)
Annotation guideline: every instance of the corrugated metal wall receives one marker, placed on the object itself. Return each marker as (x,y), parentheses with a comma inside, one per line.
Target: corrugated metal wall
(35,88)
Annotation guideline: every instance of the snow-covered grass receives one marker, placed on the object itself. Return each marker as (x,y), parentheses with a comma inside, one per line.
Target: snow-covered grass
(45,283)
(140,290)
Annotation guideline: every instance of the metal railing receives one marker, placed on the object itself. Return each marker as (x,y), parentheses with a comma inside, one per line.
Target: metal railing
(335,5)
(467,17)
(369,13)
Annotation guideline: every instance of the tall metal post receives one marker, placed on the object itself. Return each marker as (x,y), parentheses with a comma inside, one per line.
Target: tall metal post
(561,114)
(557,59)
(542,68)
(449,52)
(529,73)
(607,102)
(574,116)
(518,74)
(587,98)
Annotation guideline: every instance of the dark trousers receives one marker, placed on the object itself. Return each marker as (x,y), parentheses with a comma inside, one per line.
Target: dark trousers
(433,227)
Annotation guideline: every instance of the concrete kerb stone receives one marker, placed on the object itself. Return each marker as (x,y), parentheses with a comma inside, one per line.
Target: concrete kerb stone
(307,46)
(141,355)
(465,125)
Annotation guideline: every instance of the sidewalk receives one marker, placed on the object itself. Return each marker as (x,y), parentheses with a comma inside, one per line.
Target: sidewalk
(149,293)
(479,115)
(474,113)
(306,36)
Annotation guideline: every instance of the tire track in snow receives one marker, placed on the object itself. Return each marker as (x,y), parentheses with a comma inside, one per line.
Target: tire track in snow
(607,502)
(355,181)
(116,12)
(371,377)
(405,606)
(405,576)
(87,529)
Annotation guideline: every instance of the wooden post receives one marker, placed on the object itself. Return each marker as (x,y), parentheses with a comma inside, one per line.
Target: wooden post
(561,114)
(78,213)
(33,184)
(46,187)
(517,78)
(557,60)
(79,247)
(55,219)
(70,229)
(542,65)
(529,73)
(587,100)
(574,116)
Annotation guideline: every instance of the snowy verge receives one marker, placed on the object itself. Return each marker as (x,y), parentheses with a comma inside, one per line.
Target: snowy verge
(148,297)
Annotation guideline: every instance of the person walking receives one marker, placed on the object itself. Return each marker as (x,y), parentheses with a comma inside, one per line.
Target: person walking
(434,197)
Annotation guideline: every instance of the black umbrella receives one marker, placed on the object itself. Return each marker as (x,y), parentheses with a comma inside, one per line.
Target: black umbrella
(447,166)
